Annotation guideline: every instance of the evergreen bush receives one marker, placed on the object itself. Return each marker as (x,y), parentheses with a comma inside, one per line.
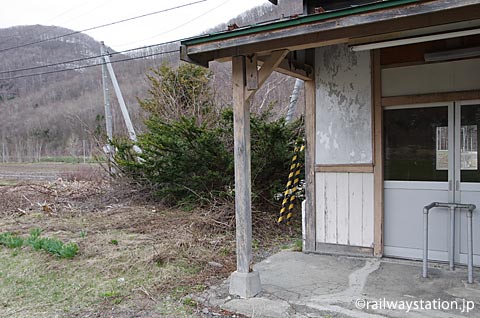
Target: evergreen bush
(187,160)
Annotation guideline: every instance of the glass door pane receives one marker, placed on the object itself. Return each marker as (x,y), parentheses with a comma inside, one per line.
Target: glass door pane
(470,119)
(416,144)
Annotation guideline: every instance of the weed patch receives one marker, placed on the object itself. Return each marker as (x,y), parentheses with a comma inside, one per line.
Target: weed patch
(51,245)
(10,240)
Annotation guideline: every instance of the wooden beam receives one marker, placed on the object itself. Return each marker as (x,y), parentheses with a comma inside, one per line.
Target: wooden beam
(295,70)
(430,98)
(252,72)
(378,155)
(310,204)
(352,168)
(287,68)
(243,205)
(267,68)
(201,61)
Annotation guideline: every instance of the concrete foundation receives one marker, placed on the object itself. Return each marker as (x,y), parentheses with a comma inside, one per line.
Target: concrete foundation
(245,285)
(297,285)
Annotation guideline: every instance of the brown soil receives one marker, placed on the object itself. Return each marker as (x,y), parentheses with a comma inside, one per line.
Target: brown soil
(163,253)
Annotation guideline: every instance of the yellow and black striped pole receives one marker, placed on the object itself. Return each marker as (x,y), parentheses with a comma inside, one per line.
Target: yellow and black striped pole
(289,197)
(296,180)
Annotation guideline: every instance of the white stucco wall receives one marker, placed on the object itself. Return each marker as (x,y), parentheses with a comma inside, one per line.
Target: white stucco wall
(344,201)
(343,117)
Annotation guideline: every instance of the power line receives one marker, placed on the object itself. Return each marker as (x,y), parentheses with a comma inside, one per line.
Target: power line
(119,52)
(87,66)
(84,58)
(178,26)
(111,54)
(102,26)
(70,20)
(52,19)
(75,7)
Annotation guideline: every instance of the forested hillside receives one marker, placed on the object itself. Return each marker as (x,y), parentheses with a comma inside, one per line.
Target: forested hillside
(62,113)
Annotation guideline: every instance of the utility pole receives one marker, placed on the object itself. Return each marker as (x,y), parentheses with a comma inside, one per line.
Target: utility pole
(292,106)
(107,70)
(118,92)
(106,96)
(108,110)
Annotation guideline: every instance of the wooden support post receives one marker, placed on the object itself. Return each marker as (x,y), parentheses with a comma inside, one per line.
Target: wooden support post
(241,117)
(310,213)
(378,155)
(244,282)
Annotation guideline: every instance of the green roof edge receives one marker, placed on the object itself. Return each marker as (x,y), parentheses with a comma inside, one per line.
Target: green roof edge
(292,22)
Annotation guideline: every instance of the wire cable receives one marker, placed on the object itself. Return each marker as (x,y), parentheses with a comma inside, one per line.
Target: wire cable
(119,52)
(85,58)
(102,26)
(70,20)
(114,53)
(88,66)
(178,26)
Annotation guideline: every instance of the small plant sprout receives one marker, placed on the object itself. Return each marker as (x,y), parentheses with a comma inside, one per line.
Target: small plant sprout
(10,240)
(51,245)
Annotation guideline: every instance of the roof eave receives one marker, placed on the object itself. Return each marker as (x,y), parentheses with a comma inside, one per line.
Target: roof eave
(312,30)
(271,26)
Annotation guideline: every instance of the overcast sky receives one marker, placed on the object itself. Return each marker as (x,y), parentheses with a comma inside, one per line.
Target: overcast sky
(83,14)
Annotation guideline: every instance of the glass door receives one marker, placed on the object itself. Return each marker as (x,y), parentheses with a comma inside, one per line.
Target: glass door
(467,174)
(431,154)
(417,160)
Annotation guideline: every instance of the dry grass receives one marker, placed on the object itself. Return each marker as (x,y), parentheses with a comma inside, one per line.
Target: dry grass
(136,259)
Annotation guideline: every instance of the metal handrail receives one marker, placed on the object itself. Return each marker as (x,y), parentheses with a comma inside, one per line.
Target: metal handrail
(451,254)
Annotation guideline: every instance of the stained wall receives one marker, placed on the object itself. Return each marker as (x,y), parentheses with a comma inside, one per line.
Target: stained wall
(344,200)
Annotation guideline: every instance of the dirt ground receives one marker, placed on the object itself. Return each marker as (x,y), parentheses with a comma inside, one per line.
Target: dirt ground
(50,171)
(137,258)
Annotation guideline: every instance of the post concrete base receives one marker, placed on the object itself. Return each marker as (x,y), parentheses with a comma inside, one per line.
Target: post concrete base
(245,285)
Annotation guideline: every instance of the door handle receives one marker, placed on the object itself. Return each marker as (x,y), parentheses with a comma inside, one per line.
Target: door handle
(457,185)
(450,185)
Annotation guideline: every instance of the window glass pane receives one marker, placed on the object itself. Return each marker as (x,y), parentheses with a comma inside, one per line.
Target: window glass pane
(416,144)
(442,148)
(468,147)
(468,143)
